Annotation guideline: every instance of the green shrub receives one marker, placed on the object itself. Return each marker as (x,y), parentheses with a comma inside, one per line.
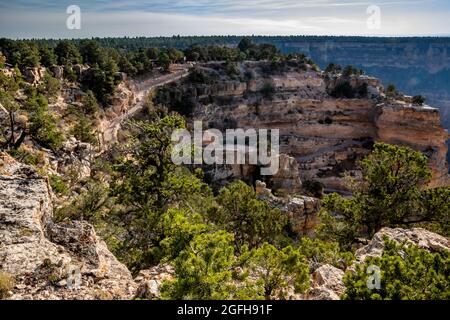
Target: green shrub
(49,86)
(69,74)
(333,68)
(343,90)
(27,157)
(418,100)
(201,77)
(390,195)
(58,185)
(350,70)
(43,128)
(277,270)
(203,269)
(90,105)
(268,91)
(407,273)
(321,252)
(241,212)
(83,131)
(313,188)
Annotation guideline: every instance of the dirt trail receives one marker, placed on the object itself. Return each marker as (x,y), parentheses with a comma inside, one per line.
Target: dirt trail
(141,89)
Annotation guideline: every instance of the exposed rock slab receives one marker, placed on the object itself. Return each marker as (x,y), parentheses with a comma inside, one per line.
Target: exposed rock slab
(48,260)
(422,238)
(326,284)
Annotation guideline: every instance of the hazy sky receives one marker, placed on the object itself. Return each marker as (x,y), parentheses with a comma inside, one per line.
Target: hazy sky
(47,18)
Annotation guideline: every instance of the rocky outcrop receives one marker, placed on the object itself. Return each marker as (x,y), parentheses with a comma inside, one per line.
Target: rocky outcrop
(150,281)
(123,98)
(48,260)
(58,72)
(419,128)
(287,179)
(326,135)
(81,70)
(327,281)
(302,211)
(326,284)
(75,154)
(34,75)
(422,238)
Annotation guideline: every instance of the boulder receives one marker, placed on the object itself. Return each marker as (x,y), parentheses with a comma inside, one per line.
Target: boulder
(34,75)
(329,278)
(58,72)
(49,260)
(422,238)
(150,281)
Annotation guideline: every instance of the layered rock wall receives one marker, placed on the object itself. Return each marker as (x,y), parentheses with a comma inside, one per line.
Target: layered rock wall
(325,134)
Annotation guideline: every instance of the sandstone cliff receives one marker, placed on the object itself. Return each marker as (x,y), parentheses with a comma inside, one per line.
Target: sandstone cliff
(327,133)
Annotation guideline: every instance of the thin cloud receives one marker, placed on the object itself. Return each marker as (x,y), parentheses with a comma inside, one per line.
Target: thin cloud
(45,18)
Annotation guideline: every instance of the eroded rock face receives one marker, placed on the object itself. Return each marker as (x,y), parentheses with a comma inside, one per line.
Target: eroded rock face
(419,128)
(287,179)
(76,154)
(48,260)
(302,211)
(327,136)
(58,72)
(34,75)
(326,284)
(122,99)
(424,239)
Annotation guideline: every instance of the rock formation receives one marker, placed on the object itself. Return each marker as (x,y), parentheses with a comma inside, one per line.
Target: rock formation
(48,260)
(150,281)
(326,284)
(326,135)
(420,129)
(326,281)
(422,238)
(302,211)
(34,75)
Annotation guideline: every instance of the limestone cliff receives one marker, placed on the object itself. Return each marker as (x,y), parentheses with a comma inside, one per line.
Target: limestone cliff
(327,122)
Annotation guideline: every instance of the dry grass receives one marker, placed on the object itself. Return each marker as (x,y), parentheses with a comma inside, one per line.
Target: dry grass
(7,283)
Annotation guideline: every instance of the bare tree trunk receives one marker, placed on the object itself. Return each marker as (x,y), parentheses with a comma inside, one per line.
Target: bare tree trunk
(11,120)
(19,141)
